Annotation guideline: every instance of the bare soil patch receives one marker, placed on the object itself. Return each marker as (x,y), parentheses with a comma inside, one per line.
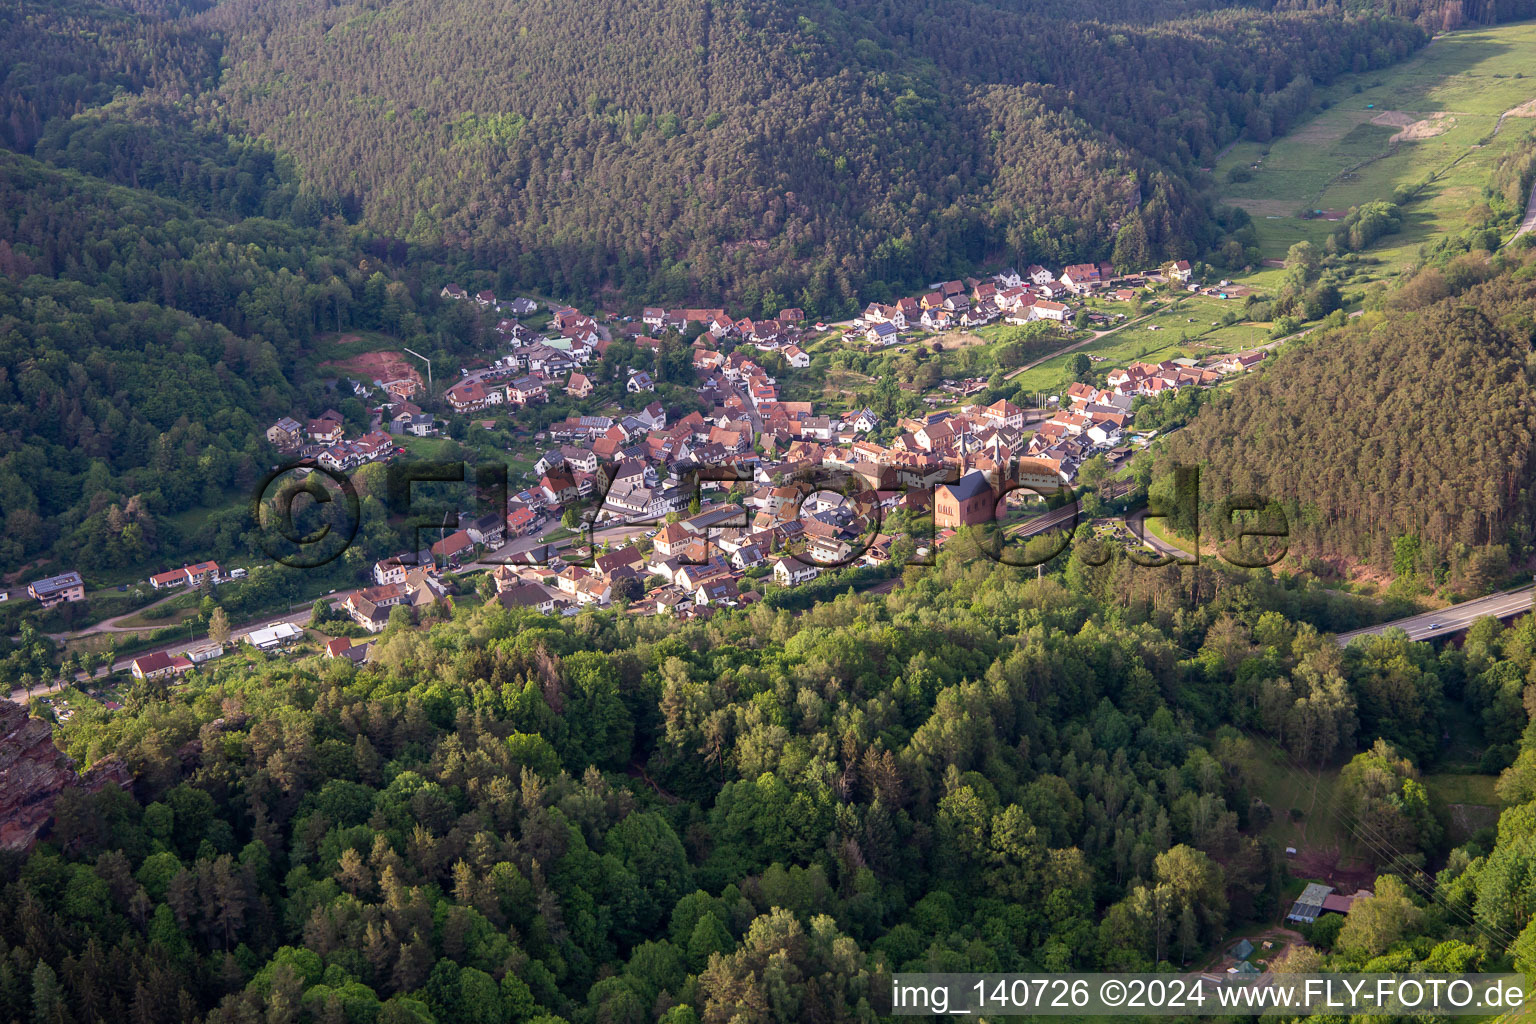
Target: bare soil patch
(1327,864)
(1411,128)
(385,366)
(1394,119)
(1526,109)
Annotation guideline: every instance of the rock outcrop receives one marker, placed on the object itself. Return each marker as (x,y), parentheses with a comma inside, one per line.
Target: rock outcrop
(33,772)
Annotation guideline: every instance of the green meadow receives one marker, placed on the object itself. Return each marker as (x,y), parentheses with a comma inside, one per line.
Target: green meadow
(1427,124)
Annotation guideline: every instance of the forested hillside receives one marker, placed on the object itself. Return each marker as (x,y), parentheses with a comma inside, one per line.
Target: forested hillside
(1403,439)
(742,148)
(144,349)
(57,59)
(621,819)
(510,818)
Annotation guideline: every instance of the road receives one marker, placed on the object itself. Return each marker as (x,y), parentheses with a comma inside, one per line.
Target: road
(1453,619)
(1136,523)
(111,625)
(176,647)
(1093,337)
(1529,223)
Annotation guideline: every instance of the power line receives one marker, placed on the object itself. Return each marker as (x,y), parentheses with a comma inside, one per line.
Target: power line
(1382,846)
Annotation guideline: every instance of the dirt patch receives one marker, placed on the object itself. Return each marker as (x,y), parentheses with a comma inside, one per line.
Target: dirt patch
(1328,865)
(955,341)
(1411,128)
(1393,119)
(383,366)
(1526,109)
(348,339)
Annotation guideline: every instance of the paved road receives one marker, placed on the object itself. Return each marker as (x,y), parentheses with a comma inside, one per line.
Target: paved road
(1452,619)
(1136,523)
(1529,223)
(179,645)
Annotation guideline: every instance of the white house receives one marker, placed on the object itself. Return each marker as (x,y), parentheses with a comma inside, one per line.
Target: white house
(789,572)
(639,381)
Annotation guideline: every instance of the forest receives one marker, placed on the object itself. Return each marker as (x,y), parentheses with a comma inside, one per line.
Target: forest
(506,818)
(1400,438)
(817,151)
(814,154)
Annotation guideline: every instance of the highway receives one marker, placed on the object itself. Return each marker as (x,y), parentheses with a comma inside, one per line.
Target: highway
(1453,619)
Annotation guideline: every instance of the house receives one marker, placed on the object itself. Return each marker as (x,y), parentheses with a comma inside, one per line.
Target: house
(653,416)
(557,487)
(791,316)
(454,547)
(469,396)
(485,298)
(653,317)
(578,385)
(789,572)
(523,307)
(57,589)
(671,601)
(520,520)
(577,460)
(204,652)
(1181,271)
(1003,413)
(716,591)
(158,665)
(882,334)
(389,570)
(965,503)
(527,391)
(489,530)
(639,381)
(1039,275)
(343,647)
(1082,277)
(1045,309)
(865,421)
(366,613)
(202,572)
(272,637)
(417,424)
(327,429)
(611,563)
(797,357)
(166,580)
(285,434)
(1309,905)
(527,595)
(453,291)
(386,596)
(748,556)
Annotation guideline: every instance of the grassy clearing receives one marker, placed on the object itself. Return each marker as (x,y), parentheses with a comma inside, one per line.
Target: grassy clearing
(328,347)
(1463,803)
(1174,336)
(1344,156)
(1286,790)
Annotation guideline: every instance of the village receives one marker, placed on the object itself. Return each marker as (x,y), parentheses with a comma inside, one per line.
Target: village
(744,494)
